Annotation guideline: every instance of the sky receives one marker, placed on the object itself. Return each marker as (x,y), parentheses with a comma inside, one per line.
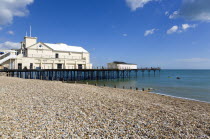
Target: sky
(171,34)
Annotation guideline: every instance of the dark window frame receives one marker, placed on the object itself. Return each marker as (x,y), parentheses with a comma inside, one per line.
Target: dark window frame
(56,55)
(20,66)
(80,66)
(31,65)
(59,66)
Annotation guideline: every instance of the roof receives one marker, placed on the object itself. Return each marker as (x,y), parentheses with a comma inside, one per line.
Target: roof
(119,62)
(7,50)
(65,47)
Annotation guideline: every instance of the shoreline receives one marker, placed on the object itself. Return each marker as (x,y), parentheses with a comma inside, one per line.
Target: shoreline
(146,91)
(196,100)
(53,109)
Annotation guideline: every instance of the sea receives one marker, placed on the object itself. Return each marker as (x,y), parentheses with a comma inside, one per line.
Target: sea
(192,84)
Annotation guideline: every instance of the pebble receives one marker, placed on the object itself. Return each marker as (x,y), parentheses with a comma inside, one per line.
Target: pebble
(52,109)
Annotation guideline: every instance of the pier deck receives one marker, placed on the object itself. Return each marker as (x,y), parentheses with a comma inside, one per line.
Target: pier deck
(77,74)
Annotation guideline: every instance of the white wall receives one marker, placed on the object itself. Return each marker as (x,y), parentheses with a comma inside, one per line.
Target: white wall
(30,41)
(44,57)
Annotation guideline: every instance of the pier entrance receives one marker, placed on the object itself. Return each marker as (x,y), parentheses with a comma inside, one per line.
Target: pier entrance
(59,66)
(19,66)
(79,66)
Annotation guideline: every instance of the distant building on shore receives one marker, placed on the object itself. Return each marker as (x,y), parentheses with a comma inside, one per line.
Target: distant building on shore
(39,55)
(121,65)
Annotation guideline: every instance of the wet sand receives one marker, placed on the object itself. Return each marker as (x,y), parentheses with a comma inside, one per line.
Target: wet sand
(52,109)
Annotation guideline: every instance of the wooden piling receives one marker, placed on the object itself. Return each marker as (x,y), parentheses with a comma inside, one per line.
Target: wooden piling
(77,74)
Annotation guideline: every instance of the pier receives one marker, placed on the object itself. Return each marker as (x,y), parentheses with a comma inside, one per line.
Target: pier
(78,74)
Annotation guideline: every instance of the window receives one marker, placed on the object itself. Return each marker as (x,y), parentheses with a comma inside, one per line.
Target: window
(20,66)
(59,66)
(56,55)
(79,66)
(40,46)
(31,65)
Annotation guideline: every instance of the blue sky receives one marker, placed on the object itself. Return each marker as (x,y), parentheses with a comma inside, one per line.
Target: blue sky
(173,34)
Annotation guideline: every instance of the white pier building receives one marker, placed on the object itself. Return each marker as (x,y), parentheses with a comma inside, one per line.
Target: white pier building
(121,65)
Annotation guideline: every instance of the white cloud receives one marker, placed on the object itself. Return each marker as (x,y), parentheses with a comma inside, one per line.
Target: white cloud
(9,45)
(125,35)
(10,32)
(11,8)
(135,4)
(173,29)
(193,10)
(187,26)
(176,29)
(194,60)
(166,13)
(174,15)
(150,32)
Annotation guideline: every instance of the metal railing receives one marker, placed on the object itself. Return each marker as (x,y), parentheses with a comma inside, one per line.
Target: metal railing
(5,55)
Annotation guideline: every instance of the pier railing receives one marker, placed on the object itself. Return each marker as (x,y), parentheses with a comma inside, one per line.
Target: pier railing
(77,74)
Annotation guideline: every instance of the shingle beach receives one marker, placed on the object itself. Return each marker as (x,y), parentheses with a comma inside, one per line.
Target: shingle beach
(52,109)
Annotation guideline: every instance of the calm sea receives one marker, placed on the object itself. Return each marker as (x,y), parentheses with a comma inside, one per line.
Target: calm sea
(193,84)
